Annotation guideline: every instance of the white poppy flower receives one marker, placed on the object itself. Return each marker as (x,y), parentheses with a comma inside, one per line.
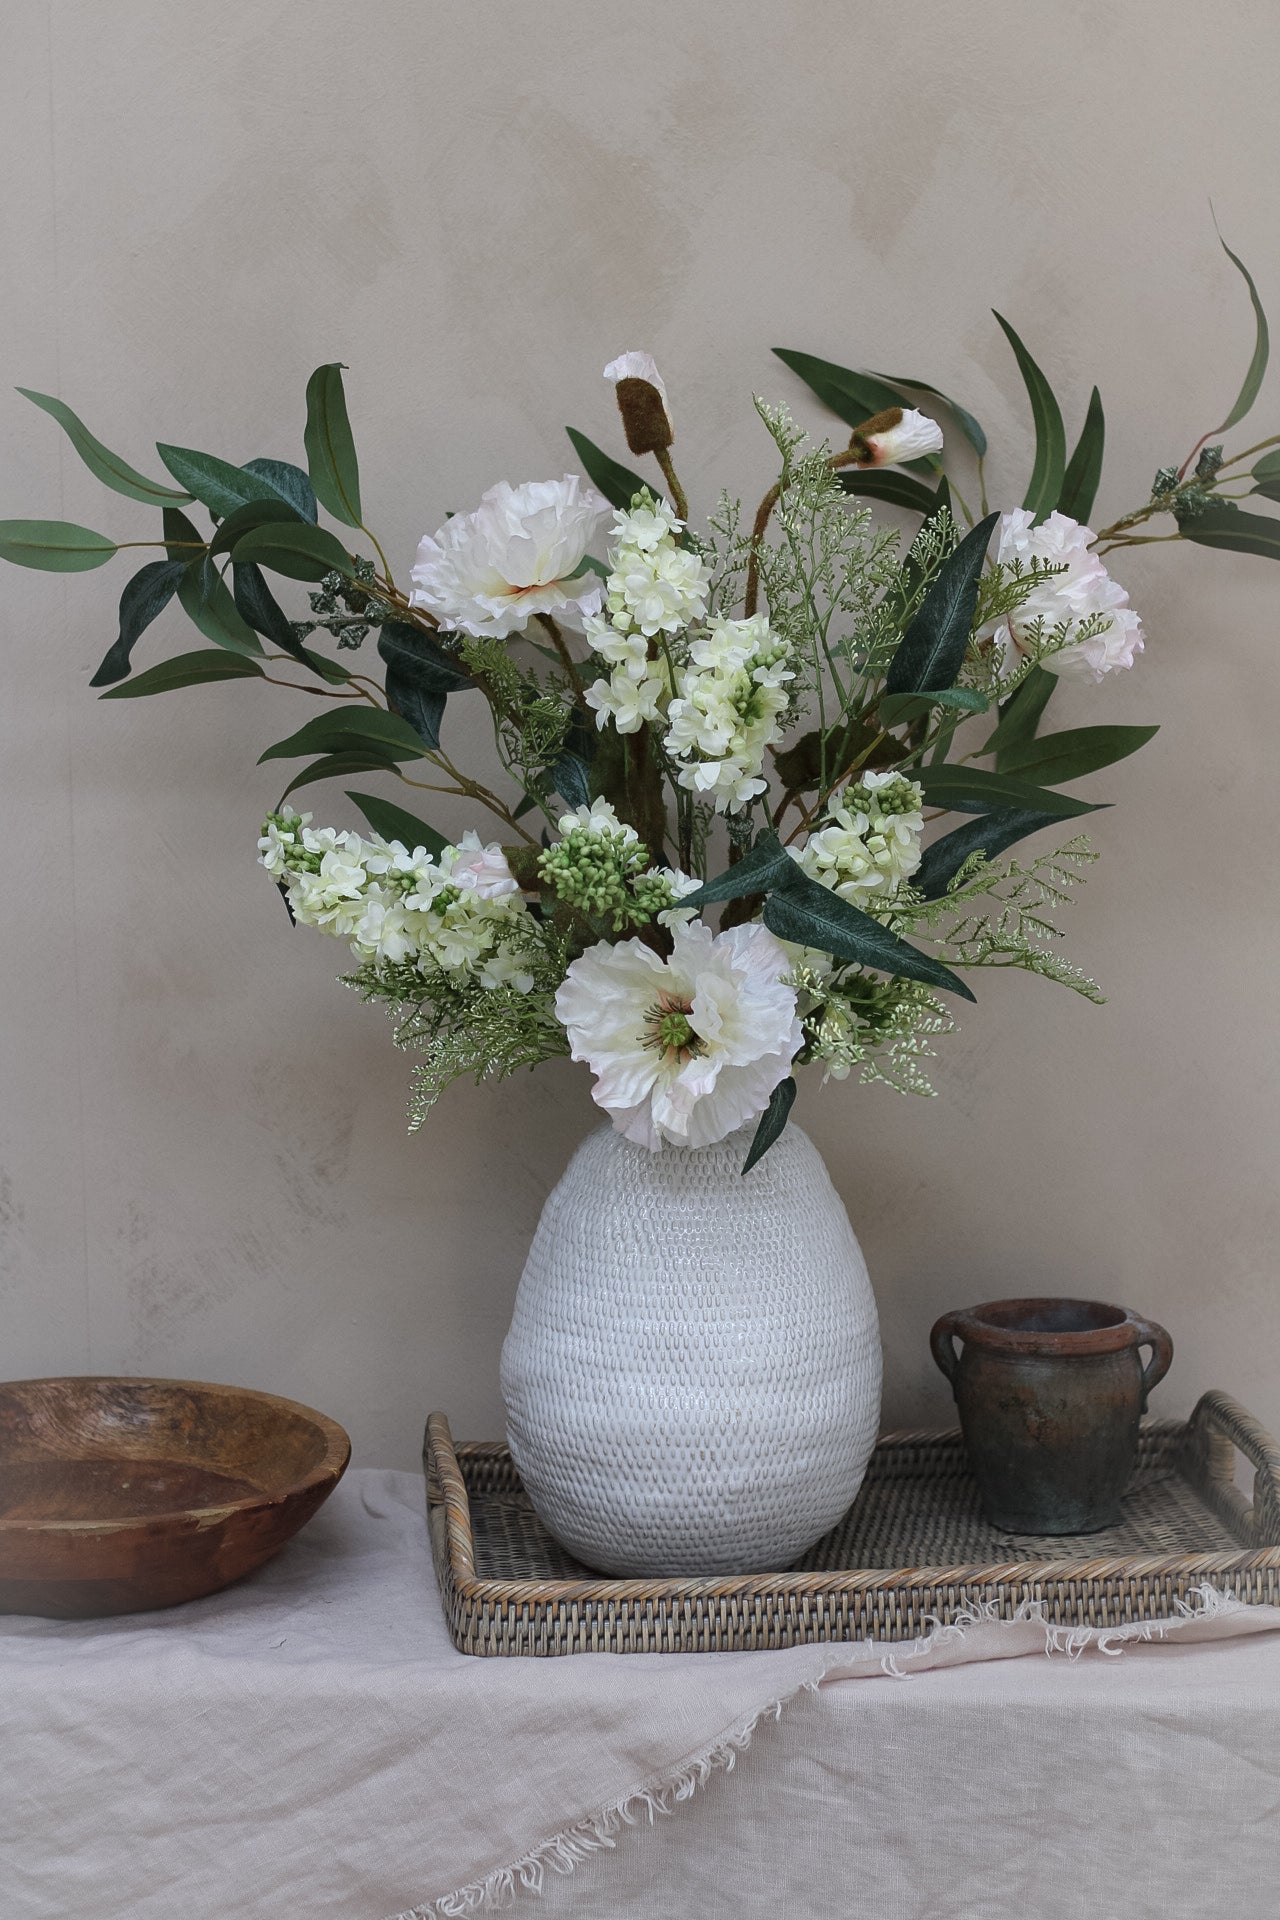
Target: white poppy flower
(687,1049)
(1082,592)
(488,572)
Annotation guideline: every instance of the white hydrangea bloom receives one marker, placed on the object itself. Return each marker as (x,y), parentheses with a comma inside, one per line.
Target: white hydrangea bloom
(726,710)
(1084,590)
(487,573)
(686,1049)
(871,842)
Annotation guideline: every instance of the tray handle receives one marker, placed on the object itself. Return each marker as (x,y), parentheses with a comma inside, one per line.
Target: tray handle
(447,1494)
(1217,1429)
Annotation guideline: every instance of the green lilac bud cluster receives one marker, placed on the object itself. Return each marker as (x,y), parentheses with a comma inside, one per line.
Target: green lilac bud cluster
(896,796)
(596,873)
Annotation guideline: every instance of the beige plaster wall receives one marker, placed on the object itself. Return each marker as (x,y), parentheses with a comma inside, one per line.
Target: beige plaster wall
(203,1163)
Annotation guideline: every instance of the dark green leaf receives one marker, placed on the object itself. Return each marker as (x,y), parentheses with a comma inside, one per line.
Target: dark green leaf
(251,516)
(185,670)
(1261,347)
(218,484)
(1268,468)
(258,606)
(393,823)
(767,864)
(1056,757)
(1084,469)
(147,595)
(341,766)
(1051,439)
(55,546)
(800,766)
(890,484)
(1020,714)
(988,833)
(854,397)
(290,482)
(974,790)
(969,427)
(1235,532)
(181,537)
(933,647)
(572,778)
(617,483)
(897,707)
(347,729)
(1268,487)
(420,676)
(207,603)
(101,462)
(813,916)
(299,551)
(772,1121)
(331,453)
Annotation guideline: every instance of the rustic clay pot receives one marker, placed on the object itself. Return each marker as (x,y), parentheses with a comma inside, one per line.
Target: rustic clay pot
(1050,1394)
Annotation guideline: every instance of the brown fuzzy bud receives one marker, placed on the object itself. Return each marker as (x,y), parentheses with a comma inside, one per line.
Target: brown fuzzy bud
(642,402)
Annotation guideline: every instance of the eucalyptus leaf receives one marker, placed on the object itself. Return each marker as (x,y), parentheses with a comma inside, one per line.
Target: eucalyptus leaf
(217,484)
(180,536)
(393,823)
(350,728)
(1051,440)
(1020,714)
(1084,469)
(290,482)
(257,605)
(206,602)
(341,766)
(251,516)
(617,483)
(101,462)
(184,670)
(764,866)
(144,598)
(894,708)
(890,484)
(295,549)
(772,1121)
(813,916)
(54,546)
(1261,347)
(988,833)
(1070,755)
(1268,487)
(331,452)
(572,778)
(420,677)
(800,766)
(975,790)
(1234,531)
(931,651)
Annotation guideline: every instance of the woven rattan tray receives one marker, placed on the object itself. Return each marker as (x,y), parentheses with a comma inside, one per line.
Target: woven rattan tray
(913,1548)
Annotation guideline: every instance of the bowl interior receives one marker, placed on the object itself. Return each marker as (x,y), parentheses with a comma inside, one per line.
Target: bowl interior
(89,1449)
(1050,1316)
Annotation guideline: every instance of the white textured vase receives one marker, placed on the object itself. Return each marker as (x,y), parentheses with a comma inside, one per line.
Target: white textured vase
(692,1375)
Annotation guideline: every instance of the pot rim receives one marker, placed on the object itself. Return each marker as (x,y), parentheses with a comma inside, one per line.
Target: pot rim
(994,1326)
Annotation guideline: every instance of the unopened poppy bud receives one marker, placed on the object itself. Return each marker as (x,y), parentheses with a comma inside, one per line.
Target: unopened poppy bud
(642,402)
(894,436)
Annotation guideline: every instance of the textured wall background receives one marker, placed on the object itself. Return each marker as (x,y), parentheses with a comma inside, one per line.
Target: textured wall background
(203,1164)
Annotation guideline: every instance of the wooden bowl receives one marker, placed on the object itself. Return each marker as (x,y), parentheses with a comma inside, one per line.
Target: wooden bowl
(121,1495)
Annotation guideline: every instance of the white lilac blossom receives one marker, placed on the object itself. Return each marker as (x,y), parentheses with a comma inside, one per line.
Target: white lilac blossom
(898,435)
(487,573)
(655,588)
(688,1049)
(870,843)
(401,906)
(726,709)
(1083,593)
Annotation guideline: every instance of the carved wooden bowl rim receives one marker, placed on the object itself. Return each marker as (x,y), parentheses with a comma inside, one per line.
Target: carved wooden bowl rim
(327,1470)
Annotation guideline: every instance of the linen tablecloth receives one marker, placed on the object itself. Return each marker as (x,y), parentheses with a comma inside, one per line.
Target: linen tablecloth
(310,1744)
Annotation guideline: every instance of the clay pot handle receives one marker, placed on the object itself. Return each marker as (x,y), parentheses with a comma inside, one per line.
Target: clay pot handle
(1150,1334)
(942,1343)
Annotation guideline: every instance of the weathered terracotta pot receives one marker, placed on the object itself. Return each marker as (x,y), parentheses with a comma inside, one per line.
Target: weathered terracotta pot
(1050,1394)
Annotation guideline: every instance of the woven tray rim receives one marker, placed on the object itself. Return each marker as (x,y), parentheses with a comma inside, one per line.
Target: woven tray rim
(1218,1425)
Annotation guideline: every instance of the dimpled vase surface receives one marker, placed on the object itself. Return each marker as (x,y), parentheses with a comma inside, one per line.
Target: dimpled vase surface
(692,1375)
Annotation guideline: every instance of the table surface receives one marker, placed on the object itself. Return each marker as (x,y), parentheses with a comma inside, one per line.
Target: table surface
(310,1742)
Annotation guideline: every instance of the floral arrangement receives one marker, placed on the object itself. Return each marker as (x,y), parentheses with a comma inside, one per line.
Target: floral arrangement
(765,719)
